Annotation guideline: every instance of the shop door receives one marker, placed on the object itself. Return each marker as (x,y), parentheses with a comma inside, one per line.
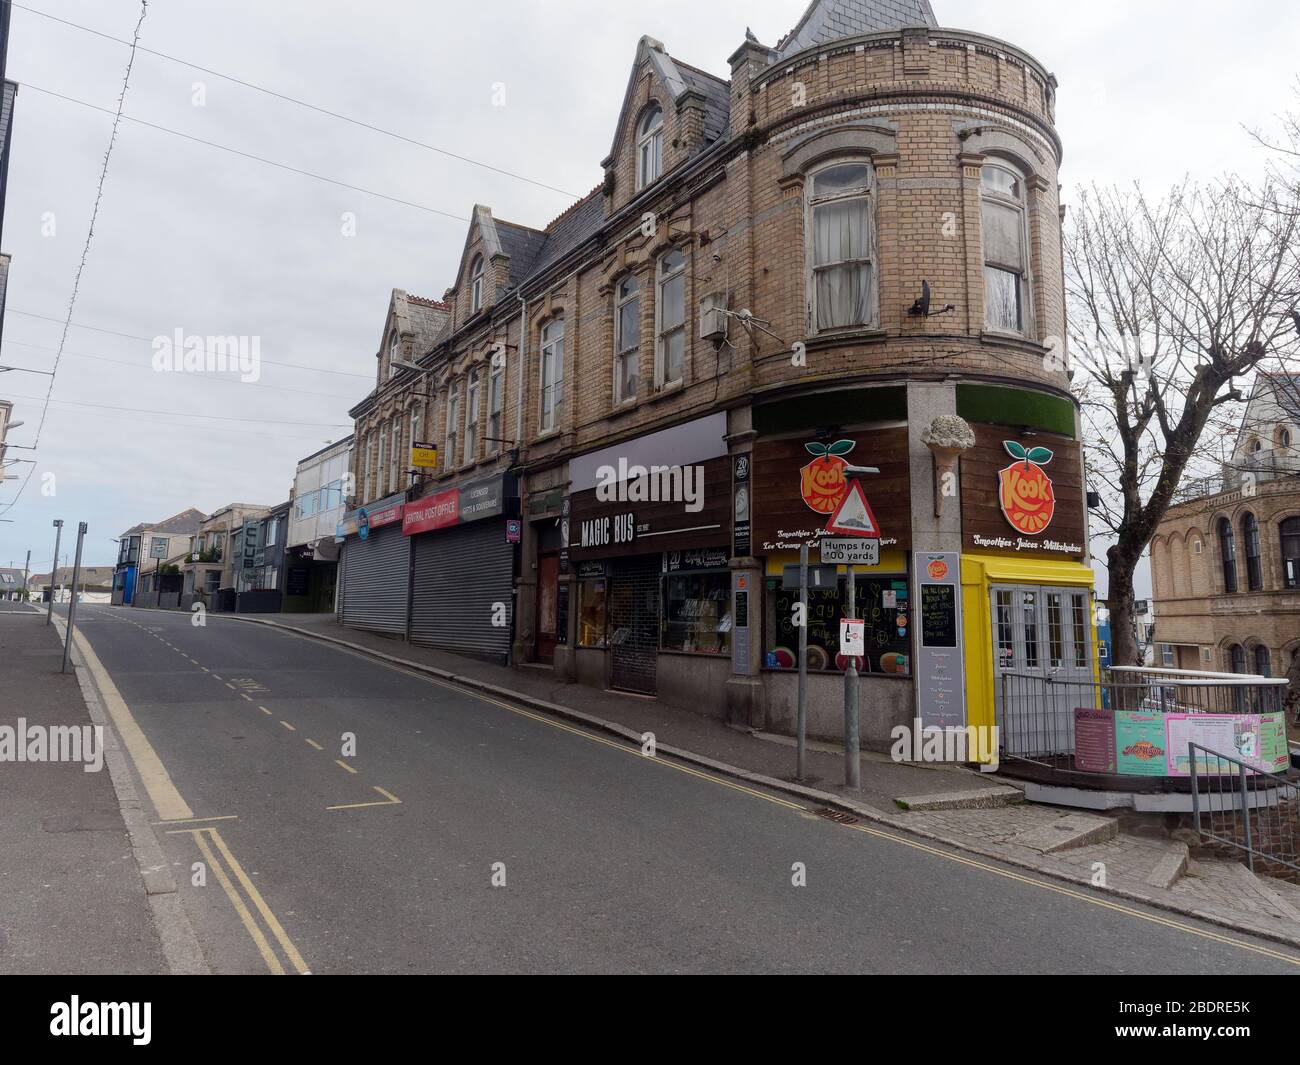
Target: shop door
(1040,634)
(548,586)
(634,626)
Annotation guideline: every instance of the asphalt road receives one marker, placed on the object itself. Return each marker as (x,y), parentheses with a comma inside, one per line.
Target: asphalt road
(383,860)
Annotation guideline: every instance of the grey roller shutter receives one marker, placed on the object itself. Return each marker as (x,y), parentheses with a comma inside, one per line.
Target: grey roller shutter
(461,575)
(376,581)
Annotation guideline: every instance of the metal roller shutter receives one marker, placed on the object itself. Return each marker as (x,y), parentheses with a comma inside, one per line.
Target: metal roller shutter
(376,580)
(460,576)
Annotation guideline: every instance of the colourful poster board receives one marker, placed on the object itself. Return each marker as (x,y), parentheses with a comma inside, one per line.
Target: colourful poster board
(1140,744)
(1258,740)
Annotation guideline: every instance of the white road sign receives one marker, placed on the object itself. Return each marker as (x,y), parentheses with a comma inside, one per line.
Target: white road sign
(850,551)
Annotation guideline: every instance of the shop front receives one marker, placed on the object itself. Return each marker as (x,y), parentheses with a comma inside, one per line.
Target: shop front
(376,567)
(463,545)
(648,550)
(800,480)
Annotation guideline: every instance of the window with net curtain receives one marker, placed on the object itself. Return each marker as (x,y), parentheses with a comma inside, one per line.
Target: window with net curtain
(1002,213)
(843,247)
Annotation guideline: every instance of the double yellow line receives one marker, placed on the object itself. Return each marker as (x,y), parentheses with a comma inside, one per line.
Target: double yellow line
(206,839)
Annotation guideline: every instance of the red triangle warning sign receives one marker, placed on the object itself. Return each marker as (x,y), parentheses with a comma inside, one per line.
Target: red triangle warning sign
(854,517)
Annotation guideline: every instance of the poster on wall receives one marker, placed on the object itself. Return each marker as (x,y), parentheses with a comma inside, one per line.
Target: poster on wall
(1094,740)
(1140,744)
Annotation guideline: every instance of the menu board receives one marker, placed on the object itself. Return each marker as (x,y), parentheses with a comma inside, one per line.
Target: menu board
(938,615)
(888,632)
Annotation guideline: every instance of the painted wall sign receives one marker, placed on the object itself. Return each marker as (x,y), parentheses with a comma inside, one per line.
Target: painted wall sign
(939,670)
(742,538)
(793,498)
(1022,508)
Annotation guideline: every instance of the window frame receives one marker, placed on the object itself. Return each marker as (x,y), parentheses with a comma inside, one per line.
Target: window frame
(621,353)
(393,341)
(649,137)
(395,458)
(813,201)
(1254,555)
(551,357)
(381,465)
(1289,542)
(453,424)
(662,332)
(496,404)
(473,391)
(476,275)
(1020,204)
(1228,555)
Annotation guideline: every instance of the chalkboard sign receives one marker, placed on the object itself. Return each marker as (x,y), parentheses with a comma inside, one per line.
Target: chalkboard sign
(888,642)
(938,615)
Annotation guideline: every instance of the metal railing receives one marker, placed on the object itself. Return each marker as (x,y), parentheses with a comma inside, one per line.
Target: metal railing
(1036,711)
(1240,808)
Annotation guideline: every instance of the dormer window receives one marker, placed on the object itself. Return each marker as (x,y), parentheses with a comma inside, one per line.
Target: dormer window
(392,353)
(476,285)
(650,147)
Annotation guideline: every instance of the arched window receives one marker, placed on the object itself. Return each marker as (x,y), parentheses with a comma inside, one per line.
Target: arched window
(1283,438)
(627,339)
(1236,659)
(1228,547)
(392,353)
(552,374)
(842,285)
(1263,664)
(670,320)
(476,285)
(650,147)
(1254,569)
(1006,249)
(1291,552)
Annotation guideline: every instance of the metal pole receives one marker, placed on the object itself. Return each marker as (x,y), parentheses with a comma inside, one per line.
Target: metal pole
(1245,815)
(852,763)
(72,606)
(802,730)
(54,573)
(27,569)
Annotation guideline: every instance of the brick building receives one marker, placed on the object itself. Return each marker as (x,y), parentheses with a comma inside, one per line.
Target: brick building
(1225,567)
(845,250)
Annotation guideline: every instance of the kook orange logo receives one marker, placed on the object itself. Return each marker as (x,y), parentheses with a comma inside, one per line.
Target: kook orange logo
(1027,497)
(938,569)
(825,483)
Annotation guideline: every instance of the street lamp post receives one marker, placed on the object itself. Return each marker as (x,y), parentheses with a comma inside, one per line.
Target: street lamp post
(72,605)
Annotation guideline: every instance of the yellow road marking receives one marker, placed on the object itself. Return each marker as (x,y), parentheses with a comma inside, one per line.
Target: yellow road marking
(248,697)
(265,710)
(197,821)
(390,800)
(205,669)
(288,726)
(286,944)
(316,745)
(263,947)
(339,761)
(214,676)
(166,799)
(230,686)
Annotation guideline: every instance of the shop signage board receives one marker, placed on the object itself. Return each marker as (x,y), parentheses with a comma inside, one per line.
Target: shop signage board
(514,531)
(741,627)
(424,456)
(461,505)
(1140,744)
(742,539)
(794,498)
(698,558)
(1094,740)
(939,669)
(159,547)
(1023,495)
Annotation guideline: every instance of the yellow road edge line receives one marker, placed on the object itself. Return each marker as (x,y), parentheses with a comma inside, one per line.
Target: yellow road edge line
(339,761)
(288,726)
(197,820)
(263,947)
(286,944)
(313,743)
(167,801)
(1061,889)
(265,711)
(387,795)
(248,697)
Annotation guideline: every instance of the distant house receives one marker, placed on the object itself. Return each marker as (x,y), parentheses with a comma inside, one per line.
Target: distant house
(137,544)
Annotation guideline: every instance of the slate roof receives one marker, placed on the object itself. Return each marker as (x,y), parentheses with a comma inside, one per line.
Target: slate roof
(717,99)
(184,522)
(830,20)
(1287,389)
(570,229)
(522,245)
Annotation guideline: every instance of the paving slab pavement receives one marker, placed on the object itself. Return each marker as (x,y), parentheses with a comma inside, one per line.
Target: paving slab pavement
(72,898)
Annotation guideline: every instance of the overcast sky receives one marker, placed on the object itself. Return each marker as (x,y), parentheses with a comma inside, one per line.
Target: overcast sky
(190,237)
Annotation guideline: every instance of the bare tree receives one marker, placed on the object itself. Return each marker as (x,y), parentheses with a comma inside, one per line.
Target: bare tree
(1173,306)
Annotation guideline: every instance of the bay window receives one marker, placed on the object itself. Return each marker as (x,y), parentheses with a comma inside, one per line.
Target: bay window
(843,282)
(1006,259)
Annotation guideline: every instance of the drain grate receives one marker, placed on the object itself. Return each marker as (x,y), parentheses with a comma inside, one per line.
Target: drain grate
(837,816)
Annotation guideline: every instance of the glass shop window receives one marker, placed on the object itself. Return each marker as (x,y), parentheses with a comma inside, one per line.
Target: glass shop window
(697,613)
(881,601)
(592,597)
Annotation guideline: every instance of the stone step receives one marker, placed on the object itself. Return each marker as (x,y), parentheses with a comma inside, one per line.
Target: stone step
(972,799)
(1067,832)
(1170,868)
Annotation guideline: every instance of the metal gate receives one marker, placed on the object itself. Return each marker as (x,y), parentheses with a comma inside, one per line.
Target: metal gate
(1040,632)
(463,591)
(376,581)
(634,624)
